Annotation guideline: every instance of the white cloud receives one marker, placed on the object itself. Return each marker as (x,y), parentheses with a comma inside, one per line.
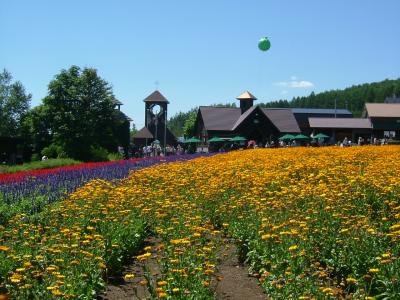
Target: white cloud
(303,84)
(284,92)
(295,84)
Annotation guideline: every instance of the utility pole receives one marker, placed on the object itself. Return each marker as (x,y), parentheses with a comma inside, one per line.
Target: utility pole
(335,108)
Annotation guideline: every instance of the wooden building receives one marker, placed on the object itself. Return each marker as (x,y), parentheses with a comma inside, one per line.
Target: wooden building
(252,122)
(340,128)
(385,119)
(303,114)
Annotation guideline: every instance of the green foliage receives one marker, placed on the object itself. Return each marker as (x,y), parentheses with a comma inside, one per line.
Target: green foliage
(36,129)
(54,151)
(189,128)
(133,132)
(82,265)
(14,104)
(35,165)
(229,105)
(177,122)
(77,115)
(114,156)
(353,98)
(98,154)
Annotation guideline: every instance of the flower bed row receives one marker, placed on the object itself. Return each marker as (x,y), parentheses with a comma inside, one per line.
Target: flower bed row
(29,191)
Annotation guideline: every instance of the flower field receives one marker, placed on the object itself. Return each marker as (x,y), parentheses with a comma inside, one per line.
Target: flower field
(29,191)
(310,223)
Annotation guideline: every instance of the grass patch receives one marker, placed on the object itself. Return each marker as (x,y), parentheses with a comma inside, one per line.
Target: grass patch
(36,165)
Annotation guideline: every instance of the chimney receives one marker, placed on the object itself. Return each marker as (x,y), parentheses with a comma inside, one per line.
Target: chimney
(246,101)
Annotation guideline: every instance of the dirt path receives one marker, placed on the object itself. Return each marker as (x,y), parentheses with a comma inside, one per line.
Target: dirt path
(121,288)
(232,280)
(235,282)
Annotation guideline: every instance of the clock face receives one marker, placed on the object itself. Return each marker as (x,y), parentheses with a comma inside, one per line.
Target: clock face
(156,110)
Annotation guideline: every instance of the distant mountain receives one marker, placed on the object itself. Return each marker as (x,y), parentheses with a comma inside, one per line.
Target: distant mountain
(352,98)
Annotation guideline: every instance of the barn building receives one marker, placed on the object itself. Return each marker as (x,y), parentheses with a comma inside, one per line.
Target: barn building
(250,121)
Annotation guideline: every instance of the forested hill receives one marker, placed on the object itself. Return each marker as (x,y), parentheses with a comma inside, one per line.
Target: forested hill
(353,97)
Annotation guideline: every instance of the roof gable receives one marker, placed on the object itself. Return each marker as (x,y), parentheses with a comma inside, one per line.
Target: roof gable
(229,119)
(219,118)
(143,133)
(360,123)
(156,96)
(243,117)
(283,119)
(383,110)
(246,96)
(115,101)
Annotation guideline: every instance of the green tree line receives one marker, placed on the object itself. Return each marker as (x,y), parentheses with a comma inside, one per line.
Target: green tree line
(352,98)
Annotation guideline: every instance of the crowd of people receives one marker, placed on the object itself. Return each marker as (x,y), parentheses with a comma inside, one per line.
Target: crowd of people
(156,150)
(361,141)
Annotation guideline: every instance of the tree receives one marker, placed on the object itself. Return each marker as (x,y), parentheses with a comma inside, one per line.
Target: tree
(133,131)
(80,113)
(189,126)
(14,105)
(177,123)
(36,129)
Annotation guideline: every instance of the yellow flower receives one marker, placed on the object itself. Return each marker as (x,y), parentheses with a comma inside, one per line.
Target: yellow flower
(143,256)
(351,280)
(4,248)
(162,283)
(265,236)
(294,247)
(129,276)
(373,270)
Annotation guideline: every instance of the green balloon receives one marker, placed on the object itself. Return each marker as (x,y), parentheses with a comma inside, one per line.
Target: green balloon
(264,44)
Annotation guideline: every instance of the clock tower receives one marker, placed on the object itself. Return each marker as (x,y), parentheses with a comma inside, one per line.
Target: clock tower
(156,106)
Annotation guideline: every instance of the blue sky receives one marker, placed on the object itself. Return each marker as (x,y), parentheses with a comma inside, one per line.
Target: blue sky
(202,52)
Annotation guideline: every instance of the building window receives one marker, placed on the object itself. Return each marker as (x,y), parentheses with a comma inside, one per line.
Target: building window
(389,134)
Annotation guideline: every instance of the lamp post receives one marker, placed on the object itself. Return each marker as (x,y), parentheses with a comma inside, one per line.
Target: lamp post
(165,133)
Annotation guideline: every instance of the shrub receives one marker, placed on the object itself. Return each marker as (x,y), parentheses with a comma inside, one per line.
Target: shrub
(115,156)
(98,154)
(54,151)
